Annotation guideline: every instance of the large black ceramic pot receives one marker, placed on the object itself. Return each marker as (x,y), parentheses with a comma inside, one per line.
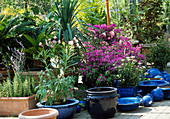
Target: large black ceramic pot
(101,102)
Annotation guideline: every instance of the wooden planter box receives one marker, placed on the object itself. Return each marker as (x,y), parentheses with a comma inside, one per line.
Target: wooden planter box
(16,105)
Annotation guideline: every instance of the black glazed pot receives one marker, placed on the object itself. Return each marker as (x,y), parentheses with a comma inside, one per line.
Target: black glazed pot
(101,102)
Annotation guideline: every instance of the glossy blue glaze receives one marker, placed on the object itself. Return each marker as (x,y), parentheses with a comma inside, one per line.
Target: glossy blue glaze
(127,91)
(148,86)
(159,76)
(166,77)
(153,72)
(164,72)
(152,83)
(65,110)
(128,103)
(166,90)
(101,102)
(78,109)
(147,100)
(157,94)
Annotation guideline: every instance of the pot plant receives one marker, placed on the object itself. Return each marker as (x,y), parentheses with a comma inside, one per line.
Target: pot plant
(129,74)
(55,87)
(99,67)
(18,91)
(15,92)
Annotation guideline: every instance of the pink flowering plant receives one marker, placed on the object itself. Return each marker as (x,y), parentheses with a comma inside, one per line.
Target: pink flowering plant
(103,33)
(101,62)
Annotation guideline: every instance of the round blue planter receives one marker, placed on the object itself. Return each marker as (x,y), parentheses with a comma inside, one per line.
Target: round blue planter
(153,72)
(66,111)
(101,102)
(127,91)
(128,103)
(166,77)
(148,86)
(166,90)
(157,94)
(147,100)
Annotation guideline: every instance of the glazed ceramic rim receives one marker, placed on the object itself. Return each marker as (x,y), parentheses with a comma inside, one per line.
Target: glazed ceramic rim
(112,89)
(130,104)
(54,113)
(163,86)
(40,105)
(165,82)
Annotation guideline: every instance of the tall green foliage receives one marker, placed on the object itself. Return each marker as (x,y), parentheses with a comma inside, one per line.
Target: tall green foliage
(20,86)
(67,11)
(93,12)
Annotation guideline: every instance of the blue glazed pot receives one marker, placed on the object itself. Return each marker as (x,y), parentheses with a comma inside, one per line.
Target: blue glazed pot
(148,86)
(157,94)
(147,100)
(166,77)
(101,102)
(128,103)
(153,72)
(66,111)
(127,91)
(166,90)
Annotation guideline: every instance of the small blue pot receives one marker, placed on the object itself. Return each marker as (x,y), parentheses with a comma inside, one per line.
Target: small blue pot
(147,100)
(157,94)
(127,91)
(65,111)
(128,103)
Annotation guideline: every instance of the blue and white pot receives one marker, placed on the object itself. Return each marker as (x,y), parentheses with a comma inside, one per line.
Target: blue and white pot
(65,111)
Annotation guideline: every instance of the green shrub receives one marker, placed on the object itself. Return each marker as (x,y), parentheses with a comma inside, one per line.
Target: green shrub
(159,55)
(20,86)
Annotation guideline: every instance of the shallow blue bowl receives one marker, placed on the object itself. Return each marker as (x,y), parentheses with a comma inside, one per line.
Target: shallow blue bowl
(128,103)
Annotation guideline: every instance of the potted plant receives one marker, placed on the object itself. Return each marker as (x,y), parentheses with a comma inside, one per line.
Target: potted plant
(17,96)
(99,67)
(18,91)
(55,87)
(129,74)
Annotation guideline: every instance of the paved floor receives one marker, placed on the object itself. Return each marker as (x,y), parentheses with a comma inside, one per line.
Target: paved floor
(158,110)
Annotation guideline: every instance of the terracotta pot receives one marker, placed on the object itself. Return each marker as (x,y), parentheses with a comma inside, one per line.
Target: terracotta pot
(15,105)
(43,113)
